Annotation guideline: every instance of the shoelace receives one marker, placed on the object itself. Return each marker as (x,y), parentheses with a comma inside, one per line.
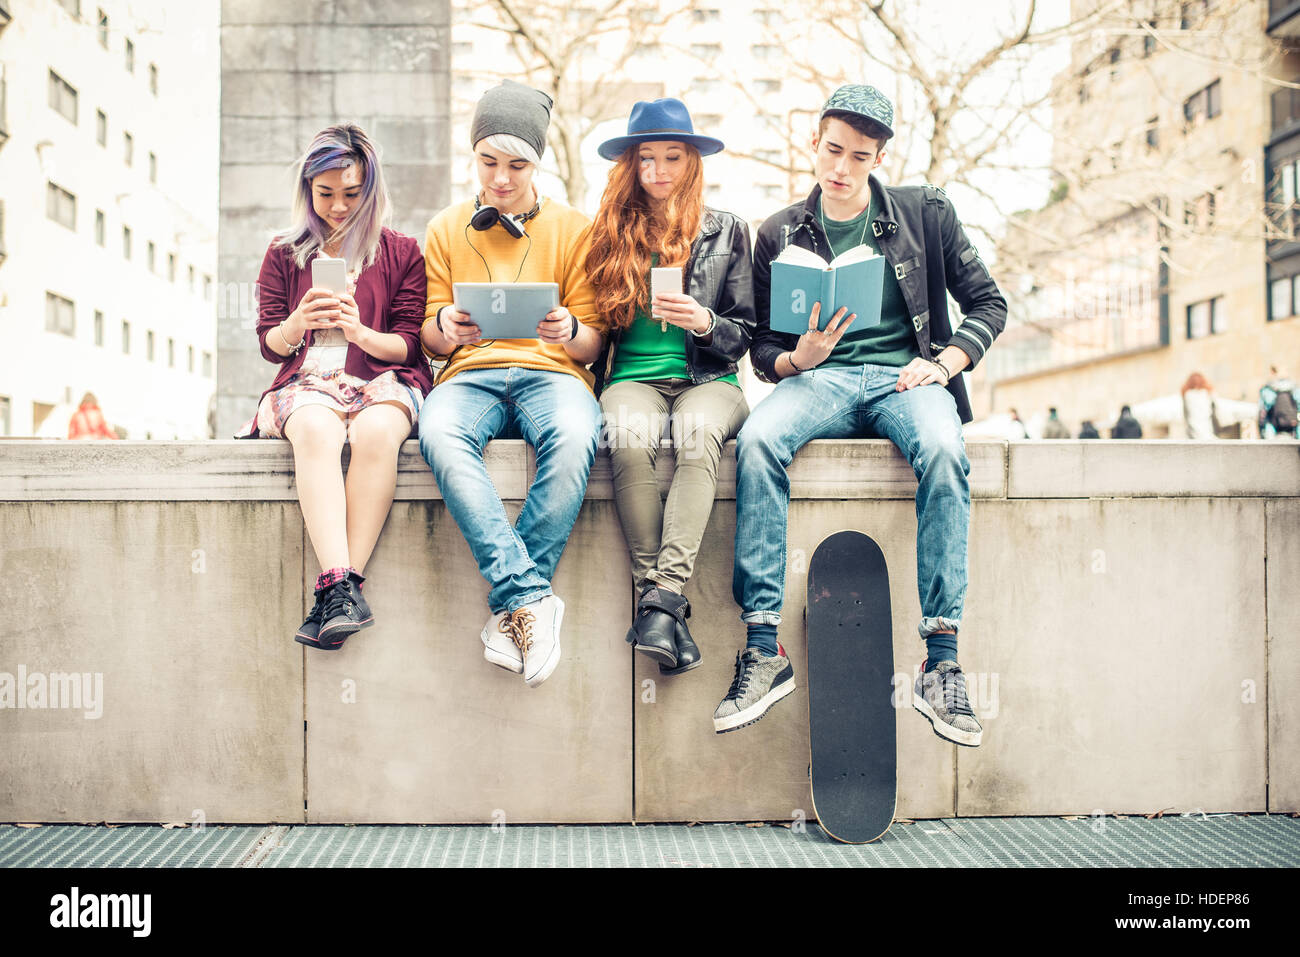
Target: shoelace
(337,601)
(744,667)
(954,694)
(518,624)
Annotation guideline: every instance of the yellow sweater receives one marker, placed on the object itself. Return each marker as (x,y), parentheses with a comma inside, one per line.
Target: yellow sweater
(560,236)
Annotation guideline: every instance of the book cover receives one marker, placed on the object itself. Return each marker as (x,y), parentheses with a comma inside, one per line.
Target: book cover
(801,278)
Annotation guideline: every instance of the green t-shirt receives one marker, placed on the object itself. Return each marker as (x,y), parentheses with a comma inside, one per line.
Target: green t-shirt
(651,350)
(892,342)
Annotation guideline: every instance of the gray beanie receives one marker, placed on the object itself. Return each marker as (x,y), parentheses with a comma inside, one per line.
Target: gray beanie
(514,109)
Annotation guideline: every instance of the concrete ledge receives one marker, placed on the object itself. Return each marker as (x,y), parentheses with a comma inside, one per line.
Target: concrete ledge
(1128,651)
(1136,468)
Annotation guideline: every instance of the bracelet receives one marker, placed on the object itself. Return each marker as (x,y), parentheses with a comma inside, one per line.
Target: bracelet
(789,357)
(713,324)
(947,376)
(437,320)
(573,335)
(292,348)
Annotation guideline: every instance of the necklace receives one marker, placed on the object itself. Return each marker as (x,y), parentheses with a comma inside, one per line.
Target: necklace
(822,216)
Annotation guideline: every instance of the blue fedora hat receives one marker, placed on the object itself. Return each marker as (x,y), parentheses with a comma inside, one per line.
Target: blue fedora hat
(664,119)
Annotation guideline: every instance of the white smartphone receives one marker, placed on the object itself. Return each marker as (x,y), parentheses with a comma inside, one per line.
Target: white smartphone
(331,274)
(664,279)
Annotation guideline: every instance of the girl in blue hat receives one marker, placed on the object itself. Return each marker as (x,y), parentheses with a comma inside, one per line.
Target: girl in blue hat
(671,361)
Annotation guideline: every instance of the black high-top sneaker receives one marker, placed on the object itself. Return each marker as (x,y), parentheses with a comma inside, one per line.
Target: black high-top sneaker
(345,612)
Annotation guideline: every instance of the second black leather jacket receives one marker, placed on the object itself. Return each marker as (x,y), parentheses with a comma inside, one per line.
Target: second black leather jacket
(718,275)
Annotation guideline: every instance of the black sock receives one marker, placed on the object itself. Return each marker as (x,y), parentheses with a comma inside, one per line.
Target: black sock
(762,637)
(940,647)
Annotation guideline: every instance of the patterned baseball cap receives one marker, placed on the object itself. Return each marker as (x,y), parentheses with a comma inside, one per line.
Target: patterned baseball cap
(863,100)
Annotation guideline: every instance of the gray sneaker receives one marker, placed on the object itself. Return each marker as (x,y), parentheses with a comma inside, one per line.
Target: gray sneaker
(760,682)
(499,647)
(940,695)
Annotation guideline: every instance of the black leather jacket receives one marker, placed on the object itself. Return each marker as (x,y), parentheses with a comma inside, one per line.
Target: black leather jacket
(900,233)
(718,277)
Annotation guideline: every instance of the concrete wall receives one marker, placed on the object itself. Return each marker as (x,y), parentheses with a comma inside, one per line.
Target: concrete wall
(1129,639)
(288,70)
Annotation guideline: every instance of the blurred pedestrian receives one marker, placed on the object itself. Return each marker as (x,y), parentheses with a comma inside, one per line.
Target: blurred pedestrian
(1278,400)
(1055,428)
(1198,408)
(1088,430)
(1126,426)
(1018,430)
(88,421)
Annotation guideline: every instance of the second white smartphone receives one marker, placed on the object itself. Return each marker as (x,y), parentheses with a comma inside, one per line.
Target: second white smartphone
(664,279)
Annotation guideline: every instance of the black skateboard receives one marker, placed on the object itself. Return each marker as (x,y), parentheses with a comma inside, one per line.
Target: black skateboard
(850,689)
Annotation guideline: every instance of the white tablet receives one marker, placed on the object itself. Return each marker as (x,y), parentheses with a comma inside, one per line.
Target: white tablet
(506,310)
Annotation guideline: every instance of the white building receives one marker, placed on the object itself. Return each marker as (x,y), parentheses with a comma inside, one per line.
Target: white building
(108,212)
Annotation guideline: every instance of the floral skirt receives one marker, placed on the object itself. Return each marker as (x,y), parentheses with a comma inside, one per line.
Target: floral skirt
(345,394)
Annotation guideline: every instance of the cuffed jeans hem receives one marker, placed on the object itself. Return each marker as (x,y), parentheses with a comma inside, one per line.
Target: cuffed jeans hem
(761,617)
(929,626)
(514,604)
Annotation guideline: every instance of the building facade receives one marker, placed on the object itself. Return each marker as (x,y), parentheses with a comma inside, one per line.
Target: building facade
(1169,247)
(107,214)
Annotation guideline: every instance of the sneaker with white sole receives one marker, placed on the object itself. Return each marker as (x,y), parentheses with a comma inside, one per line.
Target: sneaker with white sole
(940,695)
(498,647)
(535,630)
(760,682)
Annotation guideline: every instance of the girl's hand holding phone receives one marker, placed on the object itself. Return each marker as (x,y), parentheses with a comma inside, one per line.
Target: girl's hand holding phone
(318,309)
(349,319)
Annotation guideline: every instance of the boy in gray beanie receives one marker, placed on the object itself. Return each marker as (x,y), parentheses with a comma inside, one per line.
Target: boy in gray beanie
(538,389)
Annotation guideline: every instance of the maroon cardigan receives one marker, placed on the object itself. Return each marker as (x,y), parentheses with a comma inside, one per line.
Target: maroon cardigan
(390,297)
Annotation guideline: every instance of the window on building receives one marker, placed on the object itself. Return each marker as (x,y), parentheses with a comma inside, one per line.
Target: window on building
(99,327)
(126,242)
(767,86)
(60,205)
(101,228)
(769,156)
(171,267)
(207,365)
(128,148)
(765,51)
(153,78)
(101,127)
(148,345)
(150,255)
(59,315)
(705,85)
(771,191)
(580,16)
(126,338)
(706,51)
(1281,298)
(706,15)
(648,47)
(130,56)
(1205,318)
(153,167)
(103,29)
(708,121)
(1204,104)
(1153,133)
(63,97)
(767,16)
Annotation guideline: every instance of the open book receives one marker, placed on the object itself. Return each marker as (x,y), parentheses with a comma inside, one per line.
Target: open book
(801,278)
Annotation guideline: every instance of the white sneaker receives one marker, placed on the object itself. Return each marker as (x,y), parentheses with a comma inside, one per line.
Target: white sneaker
(498,647)
(535,629)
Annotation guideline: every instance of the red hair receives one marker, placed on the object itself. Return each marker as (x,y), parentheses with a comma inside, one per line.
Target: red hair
(627,231)
(1197,381)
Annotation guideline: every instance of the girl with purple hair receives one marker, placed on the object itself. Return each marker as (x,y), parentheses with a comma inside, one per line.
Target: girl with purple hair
(351,367)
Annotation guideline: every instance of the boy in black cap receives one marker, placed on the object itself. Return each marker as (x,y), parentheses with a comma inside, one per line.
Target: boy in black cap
(898,380)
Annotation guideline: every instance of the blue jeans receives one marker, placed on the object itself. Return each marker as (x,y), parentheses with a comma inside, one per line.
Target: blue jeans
(853,402)
(558,416)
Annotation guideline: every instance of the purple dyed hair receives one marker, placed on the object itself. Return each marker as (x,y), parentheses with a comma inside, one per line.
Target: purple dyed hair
(338,147)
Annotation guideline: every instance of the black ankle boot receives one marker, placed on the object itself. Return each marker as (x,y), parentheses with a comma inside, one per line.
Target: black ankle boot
(345,613)
(653,627)
(688,654)
(309,633)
